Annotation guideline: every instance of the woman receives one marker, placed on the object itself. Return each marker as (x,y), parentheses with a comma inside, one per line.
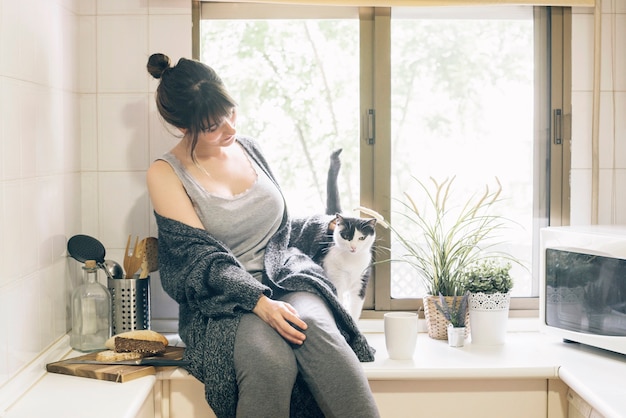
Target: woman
(263,329)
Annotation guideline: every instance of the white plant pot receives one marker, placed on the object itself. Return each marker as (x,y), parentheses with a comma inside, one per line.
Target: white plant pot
(456,336)
(489,313)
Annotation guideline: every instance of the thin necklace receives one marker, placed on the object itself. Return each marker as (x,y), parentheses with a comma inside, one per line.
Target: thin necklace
(195,162)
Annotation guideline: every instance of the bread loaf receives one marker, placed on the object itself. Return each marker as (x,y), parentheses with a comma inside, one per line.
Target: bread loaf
(110,355)
(139,341)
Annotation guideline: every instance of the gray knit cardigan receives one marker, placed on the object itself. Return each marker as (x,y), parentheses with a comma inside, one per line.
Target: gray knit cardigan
(213,290)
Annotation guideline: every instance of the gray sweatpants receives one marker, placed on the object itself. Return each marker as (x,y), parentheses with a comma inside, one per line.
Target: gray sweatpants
(267,365)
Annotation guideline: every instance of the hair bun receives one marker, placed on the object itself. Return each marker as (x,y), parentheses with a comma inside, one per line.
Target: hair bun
(157,64)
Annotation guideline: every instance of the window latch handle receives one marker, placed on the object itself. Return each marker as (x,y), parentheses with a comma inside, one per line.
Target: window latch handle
(558,127)
(371,126)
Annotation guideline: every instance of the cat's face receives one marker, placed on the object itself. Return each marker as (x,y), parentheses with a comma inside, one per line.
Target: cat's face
(354,234)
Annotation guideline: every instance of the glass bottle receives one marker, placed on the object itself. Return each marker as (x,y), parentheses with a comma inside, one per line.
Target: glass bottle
(91,312)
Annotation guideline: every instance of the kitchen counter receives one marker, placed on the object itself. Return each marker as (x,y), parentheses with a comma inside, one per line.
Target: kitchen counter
(596,375)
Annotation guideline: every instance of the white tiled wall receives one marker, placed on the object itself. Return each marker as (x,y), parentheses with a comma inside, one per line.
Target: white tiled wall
(77,131)
(612,128)
(78,128)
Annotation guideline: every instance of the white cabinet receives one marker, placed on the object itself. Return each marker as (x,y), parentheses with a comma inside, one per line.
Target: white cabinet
(470,398)
(181,398)
(479,398)
(579,408)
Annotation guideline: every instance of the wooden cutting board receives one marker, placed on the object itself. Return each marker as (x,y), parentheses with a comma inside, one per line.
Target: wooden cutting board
(112,373)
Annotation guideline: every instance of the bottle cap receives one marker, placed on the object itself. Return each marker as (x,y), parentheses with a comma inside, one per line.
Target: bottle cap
(90,264)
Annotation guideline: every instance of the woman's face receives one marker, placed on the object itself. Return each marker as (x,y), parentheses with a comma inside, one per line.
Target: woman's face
(221,133)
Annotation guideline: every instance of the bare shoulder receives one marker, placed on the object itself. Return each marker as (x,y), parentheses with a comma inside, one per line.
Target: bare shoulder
(160,170)
(168,196)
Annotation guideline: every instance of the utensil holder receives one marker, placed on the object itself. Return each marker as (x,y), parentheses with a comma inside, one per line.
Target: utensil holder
(130,304)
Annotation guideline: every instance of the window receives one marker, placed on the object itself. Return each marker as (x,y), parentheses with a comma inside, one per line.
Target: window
(427,92)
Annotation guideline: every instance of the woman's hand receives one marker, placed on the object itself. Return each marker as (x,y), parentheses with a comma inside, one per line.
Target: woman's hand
(280,316)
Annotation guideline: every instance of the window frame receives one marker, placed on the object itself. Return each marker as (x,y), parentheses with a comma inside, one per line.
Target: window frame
(375,25)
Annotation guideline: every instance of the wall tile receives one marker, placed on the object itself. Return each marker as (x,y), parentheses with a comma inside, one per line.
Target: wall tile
(582,104)
(123,207)
(4,104)
(620,50)
(70,134)
(46,306)
(620,197)
(580,213)
(4,334)
(87,7)
(582,54)
(49,218)
(122,132)
(620,130)
(3,36)
(606,71)
(89,195)
(11,105)
(122,69)
(607,6)
(72,218)
(29,237)
(88,132)
(169,35)
(11,231)
(607,136)
(87,75)
(31,97)
(15,38)
(170,7)
(122,7)
(607,197)
(54,131)
(23,305)
(4,243)
(67,44)
(163,136)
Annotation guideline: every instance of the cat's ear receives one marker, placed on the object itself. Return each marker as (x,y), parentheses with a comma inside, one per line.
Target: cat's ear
(338,217)
(372,222)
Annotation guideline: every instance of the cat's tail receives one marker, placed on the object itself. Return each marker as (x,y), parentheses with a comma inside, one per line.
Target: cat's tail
(333,205)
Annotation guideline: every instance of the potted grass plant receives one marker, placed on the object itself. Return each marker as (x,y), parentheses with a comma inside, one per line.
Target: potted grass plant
(489,284)
(441,240)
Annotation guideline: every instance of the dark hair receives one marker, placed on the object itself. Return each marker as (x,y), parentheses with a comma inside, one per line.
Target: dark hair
(190,95)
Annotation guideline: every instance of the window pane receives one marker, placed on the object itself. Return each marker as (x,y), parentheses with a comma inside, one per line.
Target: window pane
(462,106)
(297,84)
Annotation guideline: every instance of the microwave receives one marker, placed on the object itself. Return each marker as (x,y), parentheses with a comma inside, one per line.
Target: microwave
(583,284)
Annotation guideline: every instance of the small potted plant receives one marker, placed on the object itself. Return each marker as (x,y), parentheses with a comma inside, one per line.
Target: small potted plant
(456,314)
(489,284)
(441,239)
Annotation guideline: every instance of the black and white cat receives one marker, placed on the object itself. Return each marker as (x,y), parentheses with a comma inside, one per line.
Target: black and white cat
(347,260)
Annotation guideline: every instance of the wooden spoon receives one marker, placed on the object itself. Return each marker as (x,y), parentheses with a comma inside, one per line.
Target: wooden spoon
(150,258)
(132,260)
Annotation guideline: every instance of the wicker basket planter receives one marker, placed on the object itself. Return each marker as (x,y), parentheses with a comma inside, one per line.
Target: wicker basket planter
(435,321)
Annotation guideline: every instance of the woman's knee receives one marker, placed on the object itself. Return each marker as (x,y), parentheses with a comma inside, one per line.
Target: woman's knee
(263,355)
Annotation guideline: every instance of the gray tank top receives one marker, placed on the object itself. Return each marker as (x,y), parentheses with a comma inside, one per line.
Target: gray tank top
(245,222)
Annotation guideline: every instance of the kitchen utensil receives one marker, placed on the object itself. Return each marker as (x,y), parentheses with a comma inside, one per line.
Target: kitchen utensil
(83,247)
(130,304)
(146,361)
(138,256)
(132,260)
(114,268)
(150,261)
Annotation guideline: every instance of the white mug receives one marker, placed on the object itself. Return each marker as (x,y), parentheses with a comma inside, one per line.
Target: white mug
(400,334)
